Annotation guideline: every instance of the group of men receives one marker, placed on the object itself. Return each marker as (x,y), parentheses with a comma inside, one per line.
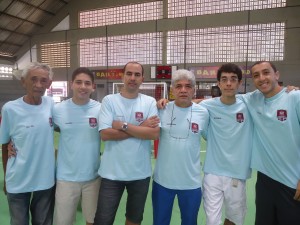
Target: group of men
(259,130)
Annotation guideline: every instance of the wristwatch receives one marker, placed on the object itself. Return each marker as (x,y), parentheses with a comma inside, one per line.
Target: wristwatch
(124,126)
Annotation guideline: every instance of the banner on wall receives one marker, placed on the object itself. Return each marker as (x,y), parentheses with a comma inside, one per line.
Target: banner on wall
(111,74)
(211,71)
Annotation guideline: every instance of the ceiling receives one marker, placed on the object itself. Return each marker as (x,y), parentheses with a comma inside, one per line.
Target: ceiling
(21,19)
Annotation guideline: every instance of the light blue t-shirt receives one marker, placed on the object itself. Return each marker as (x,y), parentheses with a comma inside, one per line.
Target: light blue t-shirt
(229,139)
(128,159)
(178,161)
(79,142)
(30,128)
(276,146)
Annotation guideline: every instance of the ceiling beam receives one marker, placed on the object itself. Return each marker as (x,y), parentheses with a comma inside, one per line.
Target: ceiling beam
(15,32)
(8,58)
(6,14)
(10,43)
(63,1)
(36,7)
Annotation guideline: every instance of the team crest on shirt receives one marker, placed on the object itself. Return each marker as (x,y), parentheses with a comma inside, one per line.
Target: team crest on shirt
(50,122)
(281,114)
(93,122)
(195,128)
(139,116)
(240,117)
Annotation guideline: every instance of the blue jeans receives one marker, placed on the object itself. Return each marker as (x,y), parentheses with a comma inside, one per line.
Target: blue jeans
(40,204)
(163,198)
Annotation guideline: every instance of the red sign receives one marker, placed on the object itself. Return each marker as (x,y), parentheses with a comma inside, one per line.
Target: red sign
(112,74)
(211,71)
(163,72)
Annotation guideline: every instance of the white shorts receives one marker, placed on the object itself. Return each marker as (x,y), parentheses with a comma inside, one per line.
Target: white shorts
(67,197)
(220,189)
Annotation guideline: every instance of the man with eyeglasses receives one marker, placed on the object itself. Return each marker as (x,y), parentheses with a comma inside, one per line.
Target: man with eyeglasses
(227,163)
(228,155)
(178,170)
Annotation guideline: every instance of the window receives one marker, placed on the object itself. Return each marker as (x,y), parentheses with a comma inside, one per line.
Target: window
(121,14)
(6,72)
(56,54)
(143,48)
(227,44)
(182,8)
(93,52)
(118,50)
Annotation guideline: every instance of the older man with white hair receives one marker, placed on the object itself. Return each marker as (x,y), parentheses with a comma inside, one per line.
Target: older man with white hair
(29,176)
(178,170)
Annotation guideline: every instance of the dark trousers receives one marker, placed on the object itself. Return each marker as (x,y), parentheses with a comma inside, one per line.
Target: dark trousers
(275,204)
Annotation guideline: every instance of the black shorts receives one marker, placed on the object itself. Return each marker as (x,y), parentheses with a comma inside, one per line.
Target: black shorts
(275,204)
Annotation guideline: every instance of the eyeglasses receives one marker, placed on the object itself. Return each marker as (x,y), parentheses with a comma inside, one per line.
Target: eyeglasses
(181,132)
(231,79)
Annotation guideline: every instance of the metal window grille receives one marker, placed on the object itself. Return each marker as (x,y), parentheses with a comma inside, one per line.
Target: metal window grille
(182,8)
(56,55)
(118,50)
(121,14)
(227,44)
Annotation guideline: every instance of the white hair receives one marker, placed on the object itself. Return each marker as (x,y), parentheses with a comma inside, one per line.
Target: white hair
(37,65)
(183,74)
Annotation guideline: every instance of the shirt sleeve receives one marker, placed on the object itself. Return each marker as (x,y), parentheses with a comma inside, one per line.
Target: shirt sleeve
(106,115)
(205,122)
(5,126)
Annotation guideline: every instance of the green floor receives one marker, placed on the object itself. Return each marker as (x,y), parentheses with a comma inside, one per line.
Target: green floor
(4,214)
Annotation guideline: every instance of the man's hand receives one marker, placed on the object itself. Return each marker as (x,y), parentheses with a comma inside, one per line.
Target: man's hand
(290,88)
(11,151)
(4,163)
(4,188)
(161,104)
(152,121)
(297,195)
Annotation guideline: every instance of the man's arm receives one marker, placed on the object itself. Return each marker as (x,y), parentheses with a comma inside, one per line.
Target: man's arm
(111,134)
(161,104)
(107,132)
(141,132)
(4,162)
(297,195)
(152,121)
(116,133)
(297,103)
(290,88)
